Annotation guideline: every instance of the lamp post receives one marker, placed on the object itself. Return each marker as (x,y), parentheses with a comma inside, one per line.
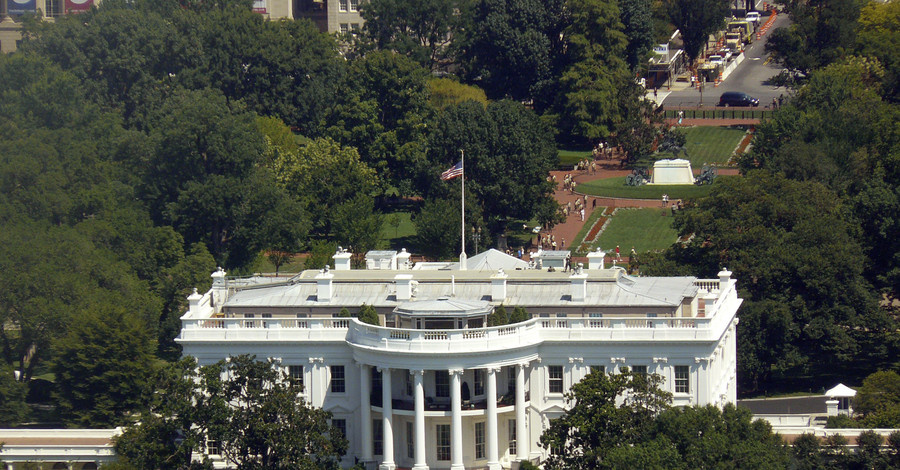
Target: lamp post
(476,236)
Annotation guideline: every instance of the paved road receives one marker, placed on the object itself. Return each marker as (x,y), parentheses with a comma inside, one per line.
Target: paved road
(750,77)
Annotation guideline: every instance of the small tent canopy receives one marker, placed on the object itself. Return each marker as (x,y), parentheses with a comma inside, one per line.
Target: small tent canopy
(841,391)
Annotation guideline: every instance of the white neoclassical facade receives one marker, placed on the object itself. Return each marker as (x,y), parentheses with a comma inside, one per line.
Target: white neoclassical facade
(434,387)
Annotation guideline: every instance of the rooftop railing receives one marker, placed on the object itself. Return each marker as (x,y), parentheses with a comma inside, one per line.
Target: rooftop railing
(522,334)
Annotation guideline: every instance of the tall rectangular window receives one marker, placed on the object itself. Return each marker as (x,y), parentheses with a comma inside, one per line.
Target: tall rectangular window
(598,369)
(377,437)
(441,383)
(409,384)
(376,380)
(479,382)
(342,5)
(511,379)
(513,450)
(682,379)
(479,440)
(640,375)
(443,441)
(340,424)
(337,379)
(296,374)
(345,28)
(410,440)
(354,5)
(555,375)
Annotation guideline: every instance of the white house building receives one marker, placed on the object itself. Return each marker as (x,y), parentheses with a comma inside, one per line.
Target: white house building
(435,387)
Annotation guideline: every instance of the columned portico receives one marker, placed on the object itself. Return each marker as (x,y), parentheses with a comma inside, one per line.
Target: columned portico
(387,413)
(492,435)
(418,376)
(365,392)
(456,444)
(522,439)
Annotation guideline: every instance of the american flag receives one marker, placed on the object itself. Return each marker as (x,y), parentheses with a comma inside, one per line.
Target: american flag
(456,170)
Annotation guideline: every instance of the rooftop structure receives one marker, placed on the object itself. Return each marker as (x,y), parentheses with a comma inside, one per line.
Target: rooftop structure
(434,385)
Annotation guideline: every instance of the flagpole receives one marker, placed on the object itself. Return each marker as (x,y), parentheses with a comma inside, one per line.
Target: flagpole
(462,180)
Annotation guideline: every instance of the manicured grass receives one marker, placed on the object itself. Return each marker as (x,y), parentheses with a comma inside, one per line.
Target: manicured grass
(263,265)
(644,229)
(570,158)
(579,238)
(706,145)
(615,187)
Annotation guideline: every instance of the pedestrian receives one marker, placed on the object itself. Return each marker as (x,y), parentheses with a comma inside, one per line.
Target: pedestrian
(680,117)
(553,245)
(593,204)
(582,214)
(563,245)
(674,207)
(633,253)
(618,255)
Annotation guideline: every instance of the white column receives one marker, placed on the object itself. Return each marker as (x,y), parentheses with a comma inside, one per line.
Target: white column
(492,437)
(456,444)
(365,408)
(387,414)
(420,421)
(522,439)
(701,396)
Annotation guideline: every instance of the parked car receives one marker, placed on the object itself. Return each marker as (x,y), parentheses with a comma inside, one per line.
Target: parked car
(752,16)
(736,98)
(716,60)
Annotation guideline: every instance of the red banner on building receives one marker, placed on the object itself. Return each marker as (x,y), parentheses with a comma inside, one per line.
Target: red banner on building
(78,6)
(259,6)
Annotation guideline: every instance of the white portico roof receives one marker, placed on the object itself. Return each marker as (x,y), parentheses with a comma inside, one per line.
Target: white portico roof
(840,391)
(444,306)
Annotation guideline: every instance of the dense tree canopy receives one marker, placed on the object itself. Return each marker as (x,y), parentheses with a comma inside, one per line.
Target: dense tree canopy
(697,19)
(250,408)
(508,153)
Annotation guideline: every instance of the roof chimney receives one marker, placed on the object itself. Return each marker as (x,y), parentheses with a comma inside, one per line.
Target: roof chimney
(324,286)
(403,285)
(579,286)
(498,286)
(342,259)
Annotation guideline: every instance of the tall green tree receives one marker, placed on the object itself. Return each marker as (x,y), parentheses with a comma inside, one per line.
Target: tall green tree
(821,32)
(384,114)
(606,411)
(103,366)
(697,20)
(637,19)
(512,48)
(800,272)
(421,30)
(249,407)
(323,175)
(204,177)
(13,408)
(508,152)
(588,105)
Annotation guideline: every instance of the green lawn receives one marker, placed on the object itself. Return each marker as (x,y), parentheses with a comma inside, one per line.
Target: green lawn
(397,231)
(707,144)
(570,158)
(615,187)
(644,229)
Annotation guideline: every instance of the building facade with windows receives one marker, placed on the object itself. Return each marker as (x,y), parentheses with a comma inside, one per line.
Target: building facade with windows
(433,386)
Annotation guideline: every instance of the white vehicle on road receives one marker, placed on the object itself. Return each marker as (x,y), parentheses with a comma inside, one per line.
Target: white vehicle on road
(752,16)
